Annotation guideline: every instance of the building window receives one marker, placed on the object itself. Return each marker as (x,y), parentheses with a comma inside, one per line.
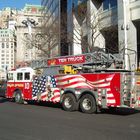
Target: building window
(12,44)
(3,45)
(108,4)
(7,45)
(113,3)
(12,66)
(3,66)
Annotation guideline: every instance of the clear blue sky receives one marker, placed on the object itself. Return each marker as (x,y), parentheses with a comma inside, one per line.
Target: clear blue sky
(19,4)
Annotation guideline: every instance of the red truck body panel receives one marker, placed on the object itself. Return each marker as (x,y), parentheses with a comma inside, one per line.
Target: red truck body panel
(109,81)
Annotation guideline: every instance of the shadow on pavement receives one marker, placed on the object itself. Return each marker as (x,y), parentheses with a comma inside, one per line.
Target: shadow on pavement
(112,111)
(45,104)
(3,100)
(120,111)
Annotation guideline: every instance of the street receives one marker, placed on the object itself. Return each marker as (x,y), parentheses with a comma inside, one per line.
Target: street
(42,122)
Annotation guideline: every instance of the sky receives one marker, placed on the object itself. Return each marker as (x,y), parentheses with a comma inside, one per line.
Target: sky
(19,4)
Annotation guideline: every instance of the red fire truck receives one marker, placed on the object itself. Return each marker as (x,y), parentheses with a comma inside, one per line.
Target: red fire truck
(58,80)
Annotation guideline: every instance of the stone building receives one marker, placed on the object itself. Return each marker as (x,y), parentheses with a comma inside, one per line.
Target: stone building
(28,25)
(16,38)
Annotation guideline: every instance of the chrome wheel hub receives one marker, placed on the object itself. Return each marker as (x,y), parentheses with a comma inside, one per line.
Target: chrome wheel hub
(87,104)
(68,103)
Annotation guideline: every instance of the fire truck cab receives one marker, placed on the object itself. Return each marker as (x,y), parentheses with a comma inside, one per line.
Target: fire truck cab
(19,82)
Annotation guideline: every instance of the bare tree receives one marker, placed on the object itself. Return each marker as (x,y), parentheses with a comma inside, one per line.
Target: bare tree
(50,38)
(44,39)
(85,26)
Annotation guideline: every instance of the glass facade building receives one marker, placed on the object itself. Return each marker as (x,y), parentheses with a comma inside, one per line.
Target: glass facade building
(55,18)
(60,12)
(108,4)
(73,10)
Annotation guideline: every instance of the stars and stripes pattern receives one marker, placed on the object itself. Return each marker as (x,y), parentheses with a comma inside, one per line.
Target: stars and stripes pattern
(57,82)
(40,89)
(72,81)
(55,90)
(105,84)
(79,81)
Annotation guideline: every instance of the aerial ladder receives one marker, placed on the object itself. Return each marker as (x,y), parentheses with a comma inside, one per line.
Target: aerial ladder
(97,60)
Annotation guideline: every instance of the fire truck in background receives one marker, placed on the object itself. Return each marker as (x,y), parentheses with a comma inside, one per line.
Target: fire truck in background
(88,82)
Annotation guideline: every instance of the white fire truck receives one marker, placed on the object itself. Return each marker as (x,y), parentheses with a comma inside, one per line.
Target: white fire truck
(89,88)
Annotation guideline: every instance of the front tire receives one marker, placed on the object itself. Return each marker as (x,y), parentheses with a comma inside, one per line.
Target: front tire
(18,98)
(69,102)
(88,104)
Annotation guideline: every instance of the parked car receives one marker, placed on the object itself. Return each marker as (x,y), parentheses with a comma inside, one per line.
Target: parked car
(3,87)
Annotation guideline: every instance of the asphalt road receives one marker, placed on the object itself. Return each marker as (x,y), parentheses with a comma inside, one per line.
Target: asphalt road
(42,122)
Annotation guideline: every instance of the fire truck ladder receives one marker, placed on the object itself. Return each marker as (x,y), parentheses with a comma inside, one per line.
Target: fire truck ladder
(102,59)
(99,59)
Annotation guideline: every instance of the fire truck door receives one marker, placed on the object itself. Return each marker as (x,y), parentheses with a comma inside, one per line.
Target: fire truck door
(27,85)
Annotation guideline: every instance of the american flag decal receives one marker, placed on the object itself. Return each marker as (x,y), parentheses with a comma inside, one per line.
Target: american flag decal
(79,81)
(44,88)
(47,88)
(72,81)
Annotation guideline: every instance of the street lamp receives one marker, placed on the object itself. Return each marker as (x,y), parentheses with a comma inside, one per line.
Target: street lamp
(29,22)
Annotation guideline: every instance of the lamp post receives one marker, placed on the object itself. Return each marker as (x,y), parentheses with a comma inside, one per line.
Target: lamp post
(125,3)
(29,22)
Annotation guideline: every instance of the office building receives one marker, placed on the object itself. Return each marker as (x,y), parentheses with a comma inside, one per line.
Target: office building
(7,51)
(117,28)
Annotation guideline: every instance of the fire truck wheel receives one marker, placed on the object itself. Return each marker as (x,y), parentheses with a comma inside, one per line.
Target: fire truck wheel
(69,102)
(18,98)
(88,104)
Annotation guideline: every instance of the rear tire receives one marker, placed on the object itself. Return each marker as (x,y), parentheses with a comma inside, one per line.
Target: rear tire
(69,102)
(88,104)
(18,98)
